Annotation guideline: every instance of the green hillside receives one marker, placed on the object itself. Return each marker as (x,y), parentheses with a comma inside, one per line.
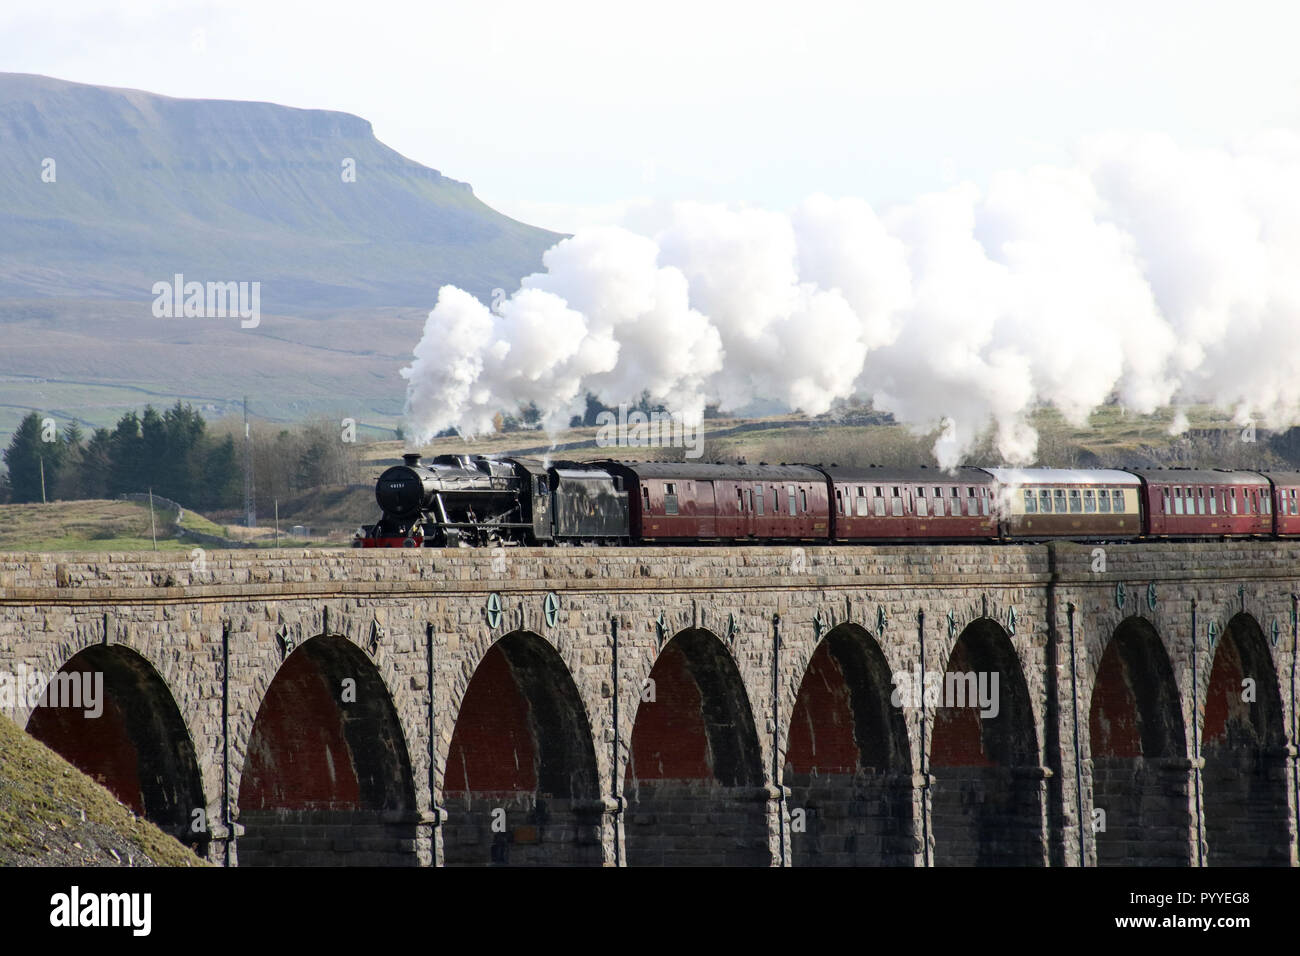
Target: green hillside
(142,187)
(52,814)
(146,186)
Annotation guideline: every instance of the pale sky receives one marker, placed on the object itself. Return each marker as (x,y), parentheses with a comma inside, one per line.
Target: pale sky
(561,113)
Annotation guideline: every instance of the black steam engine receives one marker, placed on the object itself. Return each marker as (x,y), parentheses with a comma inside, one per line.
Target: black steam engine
(471,500)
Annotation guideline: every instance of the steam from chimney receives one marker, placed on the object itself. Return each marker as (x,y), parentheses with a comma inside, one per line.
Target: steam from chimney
(1147,271)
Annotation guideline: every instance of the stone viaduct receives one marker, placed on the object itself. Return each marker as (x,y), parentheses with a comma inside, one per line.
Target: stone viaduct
(1036,705)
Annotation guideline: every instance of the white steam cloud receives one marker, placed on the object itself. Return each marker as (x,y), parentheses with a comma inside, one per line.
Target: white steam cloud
(1148,272)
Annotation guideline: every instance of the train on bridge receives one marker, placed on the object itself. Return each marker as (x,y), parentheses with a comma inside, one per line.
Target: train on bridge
(479,501)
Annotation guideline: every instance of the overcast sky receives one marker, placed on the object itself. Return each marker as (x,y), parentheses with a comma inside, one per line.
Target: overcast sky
(559,112)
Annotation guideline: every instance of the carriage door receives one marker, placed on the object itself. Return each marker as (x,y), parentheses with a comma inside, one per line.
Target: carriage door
(706,509)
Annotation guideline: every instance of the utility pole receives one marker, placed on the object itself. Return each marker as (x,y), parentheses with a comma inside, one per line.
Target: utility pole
(41,458)
(250,509)
(153,528)
(277,522)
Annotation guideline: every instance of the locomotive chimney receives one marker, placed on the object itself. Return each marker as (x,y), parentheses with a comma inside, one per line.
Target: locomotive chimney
(411,458)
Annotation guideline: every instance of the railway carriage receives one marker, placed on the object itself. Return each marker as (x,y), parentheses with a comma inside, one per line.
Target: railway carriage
(1040,503)
(882,504)
(1286,502)
(1189,503)
(696,501)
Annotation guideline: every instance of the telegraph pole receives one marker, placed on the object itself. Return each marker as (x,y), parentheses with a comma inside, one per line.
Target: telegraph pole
(250,510)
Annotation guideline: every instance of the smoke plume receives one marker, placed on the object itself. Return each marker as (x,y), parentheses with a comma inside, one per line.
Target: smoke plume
(1146,272)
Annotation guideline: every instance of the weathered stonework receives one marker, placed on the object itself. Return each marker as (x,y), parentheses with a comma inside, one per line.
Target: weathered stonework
(1176,782)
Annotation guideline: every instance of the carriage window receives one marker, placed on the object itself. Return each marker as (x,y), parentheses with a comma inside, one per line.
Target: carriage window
(839,501)
(1200,501)
(1164,507)
(758,498)
(863,510)
(740,500)
(922,508)
(880,502)
(803,499)
(897,502)
(749,500)
(1267,502)
(1058,502)
(670,498)
(1178,501)
(1045,501)
(1031,503)
(1214,501)
(1232,500)
(1076,505)
(984,501)
(645,498)
(789,491)
(1254,502)
(1118,498)
(938,502)
(1295,502)
(1089,502)
(1103,501)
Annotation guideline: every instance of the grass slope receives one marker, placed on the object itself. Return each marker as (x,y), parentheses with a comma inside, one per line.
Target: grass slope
(86,526)
(52,814)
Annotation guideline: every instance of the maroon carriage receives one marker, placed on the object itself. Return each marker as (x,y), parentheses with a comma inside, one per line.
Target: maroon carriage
(1189,503)
(1286,502)
(698,501)
(884,504)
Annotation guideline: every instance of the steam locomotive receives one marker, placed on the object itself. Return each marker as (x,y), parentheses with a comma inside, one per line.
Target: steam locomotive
(478,501)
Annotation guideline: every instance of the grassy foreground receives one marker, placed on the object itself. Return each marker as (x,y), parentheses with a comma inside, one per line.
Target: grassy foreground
(52,814)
